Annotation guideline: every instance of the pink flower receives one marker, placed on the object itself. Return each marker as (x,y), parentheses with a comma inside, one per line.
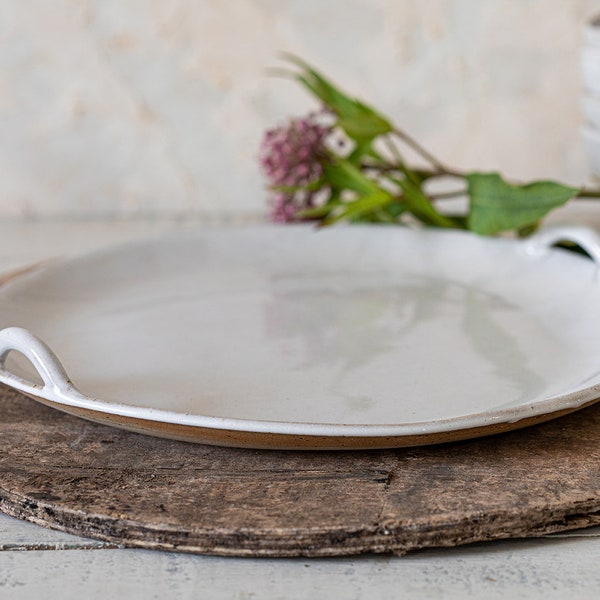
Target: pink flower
(283,208)
(292,156)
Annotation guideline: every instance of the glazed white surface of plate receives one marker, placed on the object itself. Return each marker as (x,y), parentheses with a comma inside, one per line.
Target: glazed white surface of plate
(349,332)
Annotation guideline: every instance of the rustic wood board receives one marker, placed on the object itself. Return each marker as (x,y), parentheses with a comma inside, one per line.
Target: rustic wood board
(63,472)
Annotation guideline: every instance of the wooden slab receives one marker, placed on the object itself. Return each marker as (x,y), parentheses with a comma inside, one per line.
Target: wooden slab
(63,472)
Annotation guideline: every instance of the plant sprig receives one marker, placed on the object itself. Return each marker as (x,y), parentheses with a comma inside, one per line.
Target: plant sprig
(365,178)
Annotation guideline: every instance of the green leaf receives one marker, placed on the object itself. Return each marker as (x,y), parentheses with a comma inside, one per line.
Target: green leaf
(361,206)
(343,175)
(358,120)
(361,149)
(364,126)
(318,212)
(395,209)
(420,205)
(496,205)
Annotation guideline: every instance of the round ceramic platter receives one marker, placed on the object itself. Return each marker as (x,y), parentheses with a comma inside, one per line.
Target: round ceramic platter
(292,337)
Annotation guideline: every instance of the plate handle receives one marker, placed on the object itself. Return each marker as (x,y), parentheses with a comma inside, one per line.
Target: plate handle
(543,240)
(56,381)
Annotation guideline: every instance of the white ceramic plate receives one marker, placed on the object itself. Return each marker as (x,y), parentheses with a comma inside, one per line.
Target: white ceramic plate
(291,337)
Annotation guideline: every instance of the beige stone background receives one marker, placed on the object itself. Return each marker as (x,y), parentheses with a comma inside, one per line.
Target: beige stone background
(112,108)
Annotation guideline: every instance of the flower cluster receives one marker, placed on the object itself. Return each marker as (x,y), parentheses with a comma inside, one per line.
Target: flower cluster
(292,157)
(346,163)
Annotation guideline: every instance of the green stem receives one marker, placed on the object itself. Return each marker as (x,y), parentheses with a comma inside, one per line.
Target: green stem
(382,167)
(393,149)
(389,167)
(447,195)
(439,167)
(584,193)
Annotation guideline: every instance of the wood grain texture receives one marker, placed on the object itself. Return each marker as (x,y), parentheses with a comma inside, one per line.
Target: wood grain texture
(121,487)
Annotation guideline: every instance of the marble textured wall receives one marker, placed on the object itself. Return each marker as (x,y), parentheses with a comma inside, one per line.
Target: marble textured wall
(155,108)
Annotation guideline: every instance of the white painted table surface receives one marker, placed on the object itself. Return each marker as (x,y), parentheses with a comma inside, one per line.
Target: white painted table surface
(39,563)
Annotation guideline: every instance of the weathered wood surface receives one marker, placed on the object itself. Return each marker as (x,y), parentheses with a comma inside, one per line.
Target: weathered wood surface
(136,490)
